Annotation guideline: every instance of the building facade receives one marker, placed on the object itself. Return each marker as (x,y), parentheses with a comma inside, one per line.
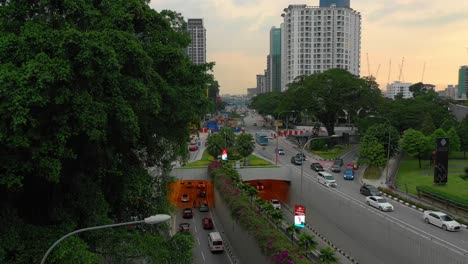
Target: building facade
(397,88)
(268,75)
(197,48)
(462,92)
(261,84)
(316,39)
(275,60)
(338,3)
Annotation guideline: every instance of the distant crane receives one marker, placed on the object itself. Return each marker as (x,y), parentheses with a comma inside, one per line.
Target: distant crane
(377,72)
(368,65)
(401,68)
(424,69)
(389,70)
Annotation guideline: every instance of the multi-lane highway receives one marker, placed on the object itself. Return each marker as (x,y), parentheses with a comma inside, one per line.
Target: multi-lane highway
(370,236)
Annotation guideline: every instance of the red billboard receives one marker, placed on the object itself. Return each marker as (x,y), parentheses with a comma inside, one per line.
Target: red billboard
(299,216)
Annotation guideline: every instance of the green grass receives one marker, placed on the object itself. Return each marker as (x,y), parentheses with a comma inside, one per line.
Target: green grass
(410,175)
(331,153)
(372,173)
(207,159)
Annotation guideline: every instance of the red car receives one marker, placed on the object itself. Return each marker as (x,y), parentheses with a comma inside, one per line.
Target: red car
(184,198)
(202,193)
(187,213)
(193,148)
(201,185)
(260,186)
(207,223)
(184,227)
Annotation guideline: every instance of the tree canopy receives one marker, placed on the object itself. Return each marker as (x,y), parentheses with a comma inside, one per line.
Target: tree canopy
(91,94)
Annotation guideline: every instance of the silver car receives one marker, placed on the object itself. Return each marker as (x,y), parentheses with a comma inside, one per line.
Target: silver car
(379,203)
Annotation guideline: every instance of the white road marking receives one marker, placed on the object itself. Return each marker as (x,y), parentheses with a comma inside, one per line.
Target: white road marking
(203,256)
(198,240)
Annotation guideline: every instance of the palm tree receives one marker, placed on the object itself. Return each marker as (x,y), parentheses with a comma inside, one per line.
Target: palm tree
(215,144)
(245,145)
(307,242)
(292,229)
(327,256)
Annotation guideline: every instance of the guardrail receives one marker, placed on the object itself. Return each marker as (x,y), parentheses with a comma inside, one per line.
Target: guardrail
(442,199)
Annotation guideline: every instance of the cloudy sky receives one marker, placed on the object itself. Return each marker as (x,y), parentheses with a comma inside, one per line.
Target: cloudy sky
(433,33)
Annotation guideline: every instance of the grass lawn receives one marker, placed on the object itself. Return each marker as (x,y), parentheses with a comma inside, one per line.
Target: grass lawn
(207,159)
(372,173)
(331,153)
(410,175)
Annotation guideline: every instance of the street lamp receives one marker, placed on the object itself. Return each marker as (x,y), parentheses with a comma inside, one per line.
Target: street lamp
(302,156)
(276,124)
(388,146)
(155,219)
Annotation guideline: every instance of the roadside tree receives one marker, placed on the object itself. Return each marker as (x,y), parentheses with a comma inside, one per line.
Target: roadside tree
(454,140)
(415,144)
(462,130)
(328,256)
(245,144)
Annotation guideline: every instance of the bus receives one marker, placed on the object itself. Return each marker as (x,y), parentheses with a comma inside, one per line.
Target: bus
(261,138)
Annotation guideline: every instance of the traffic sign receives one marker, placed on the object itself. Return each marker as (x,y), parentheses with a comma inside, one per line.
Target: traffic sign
(224,155)
(299,216)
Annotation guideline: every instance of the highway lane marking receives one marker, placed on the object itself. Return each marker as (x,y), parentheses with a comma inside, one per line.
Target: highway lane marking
(214,227)
(203,257)
(198,240)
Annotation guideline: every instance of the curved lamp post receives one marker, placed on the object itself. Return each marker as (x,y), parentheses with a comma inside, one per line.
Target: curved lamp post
(388,147)
(155,219)
(302,153)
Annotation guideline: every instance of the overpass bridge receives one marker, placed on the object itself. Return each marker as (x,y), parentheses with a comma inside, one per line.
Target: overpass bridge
(281,173)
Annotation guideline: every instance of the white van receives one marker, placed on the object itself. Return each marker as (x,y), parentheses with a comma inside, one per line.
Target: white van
(215,242)
(326,179)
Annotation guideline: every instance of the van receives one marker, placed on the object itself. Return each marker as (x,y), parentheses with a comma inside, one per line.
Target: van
(215,242)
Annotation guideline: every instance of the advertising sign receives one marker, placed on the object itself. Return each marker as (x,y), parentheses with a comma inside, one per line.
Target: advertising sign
(299,216)
(441,161)
(224,155)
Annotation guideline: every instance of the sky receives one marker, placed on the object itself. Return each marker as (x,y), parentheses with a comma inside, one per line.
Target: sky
(428,37)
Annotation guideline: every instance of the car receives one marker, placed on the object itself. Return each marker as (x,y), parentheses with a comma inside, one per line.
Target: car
(276,204)
(379,202)
(201,193)
(296,161)
(336,168)
(203,207)
(316,166)
(201,185)
(338,161)
(207,223)
(369,190)
(184,198)
(348,174)
(260,186)
(184,227)
(301,156)
(441,220)
(193,148)
(189,185)
(280,151)
(187,213)
(326,179)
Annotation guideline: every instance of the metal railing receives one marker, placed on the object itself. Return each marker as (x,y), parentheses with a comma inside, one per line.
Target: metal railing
(440,198)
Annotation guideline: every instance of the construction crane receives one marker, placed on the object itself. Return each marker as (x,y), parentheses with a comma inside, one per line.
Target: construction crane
(424,69)
(401,68)
(368,65)
(377,72)
(389,70)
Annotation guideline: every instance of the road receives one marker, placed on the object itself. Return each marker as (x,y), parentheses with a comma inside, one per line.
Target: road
(368,235)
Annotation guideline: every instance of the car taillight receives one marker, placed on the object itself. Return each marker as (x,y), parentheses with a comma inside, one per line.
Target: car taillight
(222,246)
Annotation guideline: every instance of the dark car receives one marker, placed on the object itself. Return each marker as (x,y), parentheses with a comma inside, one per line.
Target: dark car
(207,223)
(202,193)
(336,168)
(339,161)
(201,185)
(187,213)
(301,156)
(189,185)
(184,227)
(316,166)
(369,190)
(296,161)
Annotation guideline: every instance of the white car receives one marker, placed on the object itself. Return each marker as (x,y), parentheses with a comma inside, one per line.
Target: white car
(441,220)
(379,203)
(276,204)
(326,179)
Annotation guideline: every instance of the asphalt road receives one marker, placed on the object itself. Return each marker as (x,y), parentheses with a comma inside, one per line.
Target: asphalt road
(368,235)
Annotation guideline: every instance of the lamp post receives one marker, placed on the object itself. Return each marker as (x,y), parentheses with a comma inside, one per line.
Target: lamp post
(276,124)
(155,219)
(302,153)
(388,146)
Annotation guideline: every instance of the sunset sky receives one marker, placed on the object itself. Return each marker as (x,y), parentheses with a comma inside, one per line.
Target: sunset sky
(430,32)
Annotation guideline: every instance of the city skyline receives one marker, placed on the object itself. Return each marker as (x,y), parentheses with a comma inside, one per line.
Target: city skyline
(429,33)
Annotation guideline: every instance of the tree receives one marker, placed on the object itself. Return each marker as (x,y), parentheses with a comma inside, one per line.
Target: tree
(267,103)
(414,143)
(371,152)
(215,144)
(327,256)
(291,230)
(307,242)
(97,92)
(245,144)
(462,131)
(454,140)
(417,89)
(438,133)
(381,133)
(427,126)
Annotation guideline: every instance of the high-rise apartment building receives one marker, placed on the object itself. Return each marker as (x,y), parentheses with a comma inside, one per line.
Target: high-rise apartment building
(462,92)
(399,88)
(275,60)
(338,3)
(268,75)
(261,87)
(197,48)
(315,39)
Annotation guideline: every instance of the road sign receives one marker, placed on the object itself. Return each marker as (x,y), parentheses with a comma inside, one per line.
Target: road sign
(224,155)
(299,216)
(278,123)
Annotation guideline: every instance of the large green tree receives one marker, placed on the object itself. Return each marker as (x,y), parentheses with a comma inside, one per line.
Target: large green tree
(91,93)
(371,151)
(245,144)
(415,144)
(462,131)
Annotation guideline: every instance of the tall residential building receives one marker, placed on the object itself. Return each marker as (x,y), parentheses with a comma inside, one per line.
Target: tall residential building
(260,84)
(399,88)
(275,59)
(197,48)
(316,39)
(462,92)
(268,75)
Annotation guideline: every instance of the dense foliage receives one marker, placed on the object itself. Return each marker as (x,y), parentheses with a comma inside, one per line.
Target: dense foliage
(91,94)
